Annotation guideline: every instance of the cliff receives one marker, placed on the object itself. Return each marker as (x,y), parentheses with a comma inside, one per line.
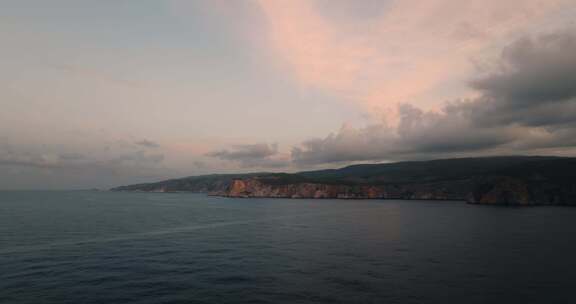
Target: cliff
(257,187)
(519,181)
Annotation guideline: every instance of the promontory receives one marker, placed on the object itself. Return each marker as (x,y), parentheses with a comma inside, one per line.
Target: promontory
(504,180)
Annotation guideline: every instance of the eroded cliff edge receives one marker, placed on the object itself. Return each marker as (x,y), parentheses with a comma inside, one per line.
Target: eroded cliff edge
(520,181)
(498,191)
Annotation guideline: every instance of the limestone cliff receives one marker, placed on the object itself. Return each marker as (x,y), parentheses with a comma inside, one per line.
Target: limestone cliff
(256,187)
(494,191)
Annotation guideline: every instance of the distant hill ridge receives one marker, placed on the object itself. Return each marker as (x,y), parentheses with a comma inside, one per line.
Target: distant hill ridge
(503,180)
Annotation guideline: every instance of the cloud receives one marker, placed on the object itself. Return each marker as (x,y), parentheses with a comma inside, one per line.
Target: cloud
(529,103)
(419,134)
(53,166)
(252,155)
(71,156)
(385,52)
(147,144)
(9,156)
(536,85)
(24,162)
(200,165)
(34,158)
(138,158)
(247,152)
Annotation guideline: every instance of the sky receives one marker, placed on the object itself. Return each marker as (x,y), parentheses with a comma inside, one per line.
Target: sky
(96,94)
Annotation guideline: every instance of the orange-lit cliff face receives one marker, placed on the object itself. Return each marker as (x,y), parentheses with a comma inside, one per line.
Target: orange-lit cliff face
(254,187)
(498,191)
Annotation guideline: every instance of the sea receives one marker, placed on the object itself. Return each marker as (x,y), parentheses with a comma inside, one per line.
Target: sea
(120,247)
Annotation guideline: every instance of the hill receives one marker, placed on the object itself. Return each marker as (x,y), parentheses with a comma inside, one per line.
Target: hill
(507,180)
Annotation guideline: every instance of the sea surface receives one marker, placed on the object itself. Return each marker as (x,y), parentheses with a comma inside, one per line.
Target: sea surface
(107,247)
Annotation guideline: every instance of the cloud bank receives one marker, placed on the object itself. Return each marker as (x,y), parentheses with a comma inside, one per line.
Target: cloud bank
(56,167)
(147,143)
(252,155)
(527,104)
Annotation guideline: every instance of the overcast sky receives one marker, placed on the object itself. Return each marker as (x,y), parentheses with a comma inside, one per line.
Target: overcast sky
(103,93)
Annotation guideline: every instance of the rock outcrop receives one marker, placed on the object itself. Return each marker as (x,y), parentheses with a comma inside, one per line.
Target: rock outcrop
(495,191)
(256,187)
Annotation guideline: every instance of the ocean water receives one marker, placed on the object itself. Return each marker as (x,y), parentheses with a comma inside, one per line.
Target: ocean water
(105,247)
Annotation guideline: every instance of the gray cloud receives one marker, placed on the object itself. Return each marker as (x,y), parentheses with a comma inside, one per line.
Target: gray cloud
(147,144)
(246,152)
(529,103)
(252,155)
(71,156)
(536,84)
(45,167)
(137,159)
(200,165)
(419,134)
(9,156)
(32,163)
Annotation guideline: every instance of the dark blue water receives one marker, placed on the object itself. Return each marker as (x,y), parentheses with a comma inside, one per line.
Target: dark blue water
(103,247)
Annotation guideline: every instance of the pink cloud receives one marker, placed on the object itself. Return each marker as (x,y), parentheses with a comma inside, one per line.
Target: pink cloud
(414,51)
(312,46)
